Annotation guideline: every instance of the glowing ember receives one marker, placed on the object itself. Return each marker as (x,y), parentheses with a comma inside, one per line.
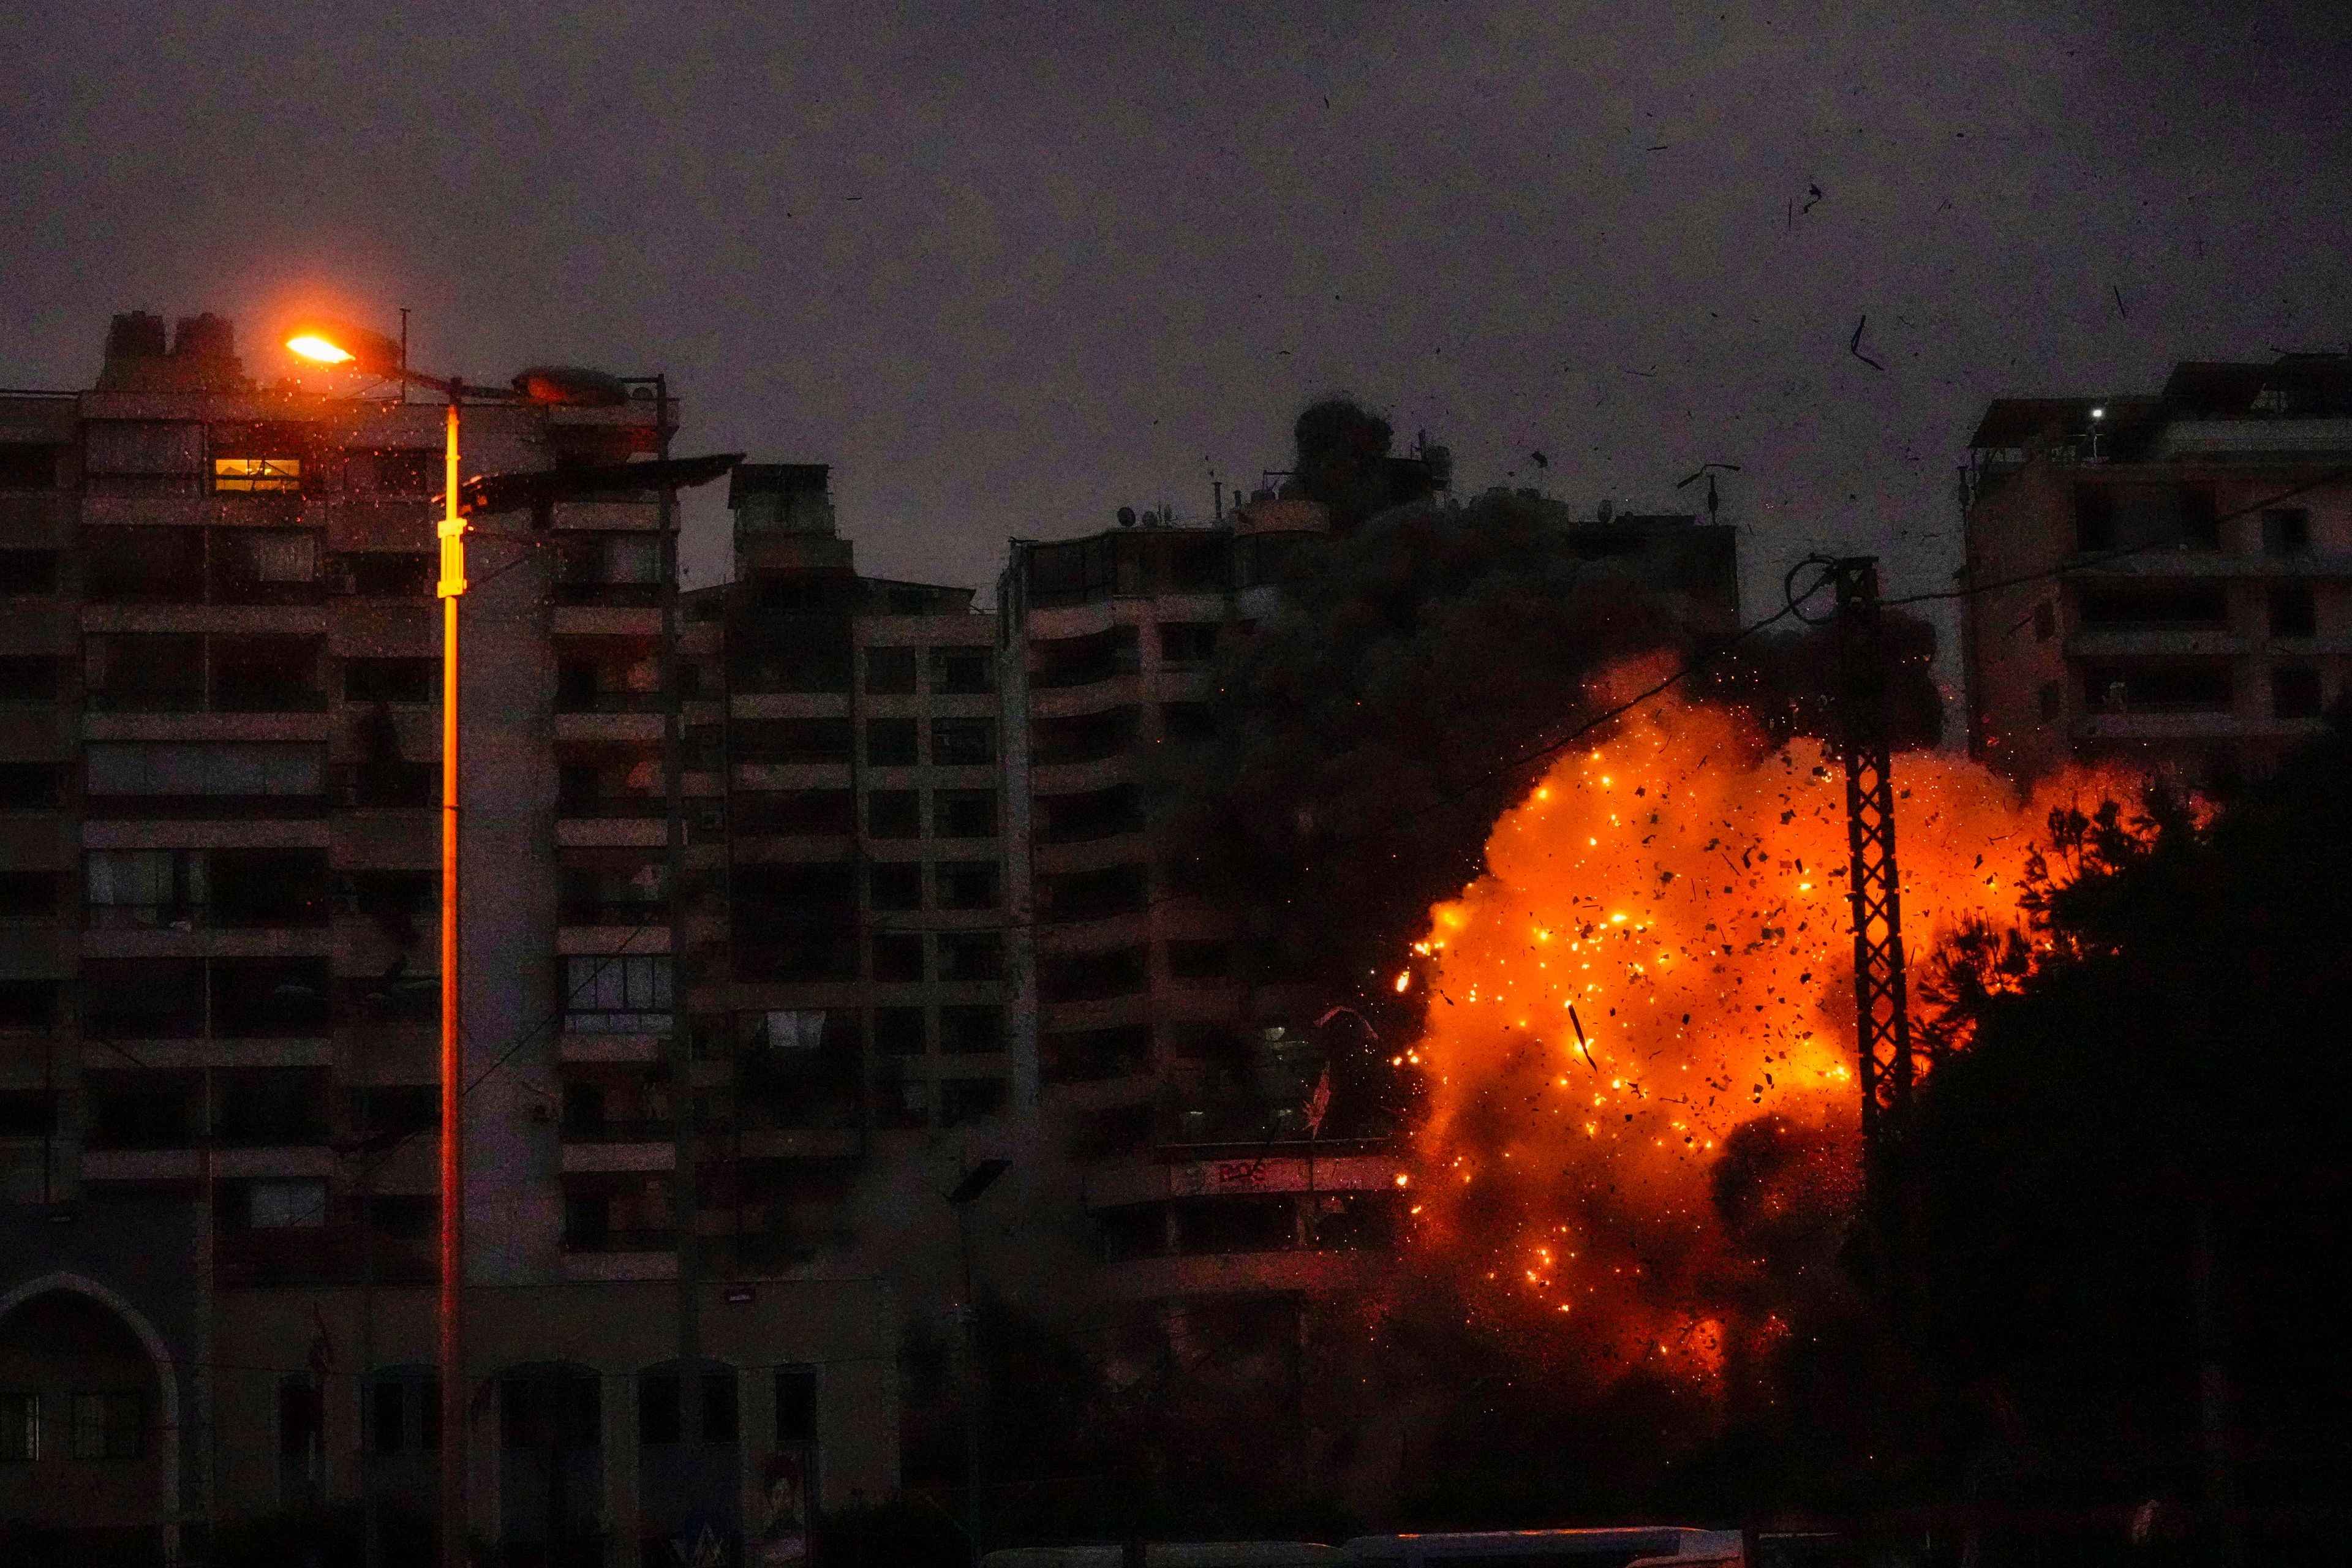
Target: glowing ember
(1659,964)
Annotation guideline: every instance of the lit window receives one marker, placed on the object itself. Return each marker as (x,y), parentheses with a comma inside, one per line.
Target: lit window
(242,474)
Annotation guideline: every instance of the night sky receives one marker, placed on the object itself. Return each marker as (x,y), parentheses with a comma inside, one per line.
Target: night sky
(1008,266)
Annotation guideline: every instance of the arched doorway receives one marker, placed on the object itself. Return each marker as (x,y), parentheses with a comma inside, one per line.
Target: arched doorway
(88,1424)
(689,1466)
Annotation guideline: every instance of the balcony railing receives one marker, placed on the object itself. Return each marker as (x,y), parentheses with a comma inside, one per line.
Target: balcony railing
(615,912)
(616,595)
(600,807)
(576,701)
(206,917)
(603,1240)
(611,1132)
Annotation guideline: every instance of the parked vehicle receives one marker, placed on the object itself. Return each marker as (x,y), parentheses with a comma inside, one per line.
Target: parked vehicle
(1171,1555)
(1644,1547)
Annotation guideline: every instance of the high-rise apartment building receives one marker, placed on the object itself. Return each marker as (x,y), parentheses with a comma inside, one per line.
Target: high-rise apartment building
(2161,581)
(219,739)
(846,966)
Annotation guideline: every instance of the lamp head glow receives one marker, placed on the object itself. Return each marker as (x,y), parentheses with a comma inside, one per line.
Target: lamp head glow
(312,346)
(326,342)
(2098,414)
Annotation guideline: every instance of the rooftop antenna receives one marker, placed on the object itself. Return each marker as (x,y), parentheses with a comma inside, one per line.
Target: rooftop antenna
(1707,471)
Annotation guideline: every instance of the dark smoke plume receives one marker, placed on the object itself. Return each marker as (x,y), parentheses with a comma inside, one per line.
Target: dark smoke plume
(1343,462)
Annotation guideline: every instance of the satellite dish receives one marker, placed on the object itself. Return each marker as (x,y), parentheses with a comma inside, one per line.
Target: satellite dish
(1127,517)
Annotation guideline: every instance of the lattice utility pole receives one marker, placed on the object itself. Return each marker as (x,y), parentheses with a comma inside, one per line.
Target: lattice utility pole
(1883,1019)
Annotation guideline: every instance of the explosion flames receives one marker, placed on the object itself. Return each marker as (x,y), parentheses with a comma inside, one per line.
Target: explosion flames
(1640,1031)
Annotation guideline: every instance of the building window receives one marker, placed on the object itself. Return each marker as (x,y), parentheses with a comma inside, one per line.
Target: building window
(1198,960)
(893,813)
(890,671)
(968,885)
(395,471)
(2202,688)
(1188,642)
(1101,656)
(390,575)
(963,743)
(1189,722)
(969,1100)
(404,1413)
(614,994)
(658,1409)
(2295,693)
(27,466)
(28,786)
(2294,612)
(893,887)
(899,1031)
(897,956)
(28,677)
(1091,976)
(2053,699)
(795,1405)
(28,894)
(108,1426)
(890,742)
(720,1416)
(2286,531)
(236,475)
(300,1419)
(972,956)
(2045,621)
(20,1427)
(286,1205)
(963,671)
(972,1031)
(29,571)
(391,679)
(232,769)
(964,813)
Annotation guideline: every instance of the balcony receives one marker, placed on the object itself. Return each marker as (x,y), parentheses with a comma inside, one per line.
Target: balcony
(609,1241)
(609,808)
(644,1131)
(1245,1273)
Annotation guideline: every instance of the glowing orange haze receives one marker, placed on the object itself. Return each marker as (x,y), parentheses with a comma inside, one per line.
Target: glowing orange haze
(1684,892)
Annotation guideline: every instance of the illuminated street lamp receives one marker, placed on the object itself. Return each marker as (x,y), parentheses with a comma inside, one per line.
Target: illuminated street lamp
(374,354)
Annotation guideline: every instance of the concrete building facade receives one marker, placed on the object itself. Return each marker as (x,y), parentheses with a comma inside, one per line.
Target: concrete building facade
(846,958)
(219,739)
(2166,581)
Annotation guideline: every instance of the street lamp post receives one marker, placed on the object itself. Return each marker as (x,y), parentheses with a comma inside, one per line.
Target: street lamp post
(372,353)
